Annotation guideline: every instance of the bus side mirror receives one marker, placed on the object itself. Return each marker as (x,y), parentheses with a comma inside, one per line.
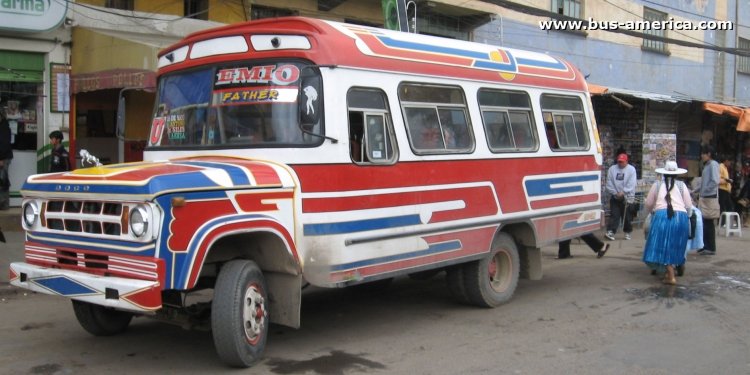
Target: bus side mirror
(308,102)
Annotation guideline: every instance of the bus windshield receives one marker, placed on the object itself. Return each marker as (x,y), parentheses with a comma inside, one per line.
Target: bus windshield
(245,104)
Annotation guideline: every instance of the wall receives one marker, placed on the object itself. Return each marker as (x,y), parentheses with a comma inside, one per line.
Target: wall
(617,60)
(742,81)
(94,52)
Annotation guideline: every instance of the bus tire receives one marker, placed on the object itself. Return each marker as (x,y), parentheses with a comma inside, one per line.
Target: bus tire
(239,313)
(99,320)
(454,277)
(491,281)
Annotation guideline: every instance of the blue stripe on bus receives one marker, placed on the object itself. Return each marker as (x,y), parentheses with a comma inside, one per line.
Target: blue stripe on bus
(323,229)
(537,188)
(496,65)
(433,249)
(155,185)
(211,225)
(64,286)
(574,224)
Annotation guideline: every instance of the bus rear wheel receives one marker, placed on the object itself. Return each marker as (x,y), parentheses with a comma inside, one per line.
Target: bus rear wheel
(99,320)
(491,281)
(239,313)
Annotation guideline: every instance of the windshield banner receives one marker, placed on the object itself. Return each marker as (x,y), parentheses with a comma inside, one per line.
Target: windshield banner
(282,75)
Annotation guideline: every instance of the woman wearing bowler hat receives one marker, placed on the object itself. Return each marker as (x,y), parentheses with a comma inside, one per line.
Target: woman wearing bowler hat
(670,203)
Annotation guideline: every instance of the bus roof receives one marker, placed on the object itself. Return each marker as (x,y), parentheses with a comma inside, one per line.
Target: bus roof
(347,45)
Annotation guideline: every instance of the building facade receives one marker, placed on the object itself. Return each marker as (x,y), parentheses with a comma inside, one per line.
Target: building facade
(34,50)
(658,68)
(645,83)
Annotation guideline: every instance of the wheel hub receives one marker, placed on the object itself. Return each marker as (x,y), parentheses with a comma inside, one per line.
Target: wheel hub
(253,313)
(499,271)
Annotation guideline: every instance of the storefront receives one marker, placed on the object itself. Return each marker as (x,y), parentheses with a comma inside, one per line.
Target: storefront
(96,97)
(652,128)
(727,128)
(33,83)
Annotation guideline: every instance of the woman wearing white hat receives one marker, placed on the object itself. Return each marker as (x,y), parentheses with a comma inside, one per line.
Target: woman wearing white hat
(670,202)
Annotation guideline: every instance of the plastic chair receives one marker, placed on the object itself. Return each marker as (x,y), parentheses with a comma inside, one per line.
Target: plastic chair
(731,223)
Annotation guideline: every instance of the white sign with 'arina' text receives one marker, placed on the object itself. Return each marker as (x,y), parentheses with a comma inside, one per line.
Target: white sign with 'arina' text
(31,15)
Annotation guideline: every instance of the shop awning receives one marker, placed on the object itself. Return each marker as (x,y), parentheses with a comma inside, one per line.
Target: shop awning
(742,114)
(648,95)
(595,89)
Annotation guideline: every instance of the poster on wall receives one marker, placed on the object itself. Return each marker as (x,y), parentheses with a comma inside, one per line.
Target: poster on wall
(60,90)
(657,149)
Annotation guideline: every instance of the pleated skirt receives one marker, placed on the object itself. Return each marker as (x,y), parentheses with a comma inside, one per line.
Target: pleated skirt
(666,240)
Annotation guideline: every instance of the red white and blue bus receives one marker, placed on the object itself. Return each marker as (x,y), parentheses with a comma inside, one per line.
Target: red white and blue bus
(296,151)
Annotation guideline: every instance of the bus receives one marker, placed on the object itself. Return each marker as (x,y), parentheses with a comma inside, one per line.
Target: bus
(296,151)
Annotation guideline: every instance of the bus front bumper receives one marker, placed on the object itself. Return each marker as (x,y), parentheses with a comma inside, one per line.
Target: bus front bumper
(139,296)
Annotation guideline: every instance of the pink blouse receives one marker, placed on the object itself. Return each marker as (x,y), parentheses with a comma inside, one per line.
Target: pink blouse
(680,202)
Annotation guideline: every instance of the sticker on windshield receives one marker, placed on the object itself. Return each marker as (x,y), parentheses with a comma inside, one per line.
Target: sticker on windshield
(257,95)
(157,128)
(176,127)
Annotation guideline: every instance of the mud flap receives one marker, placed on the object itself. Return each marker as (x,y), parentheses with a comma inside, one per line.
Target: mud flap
(531,263)
(285,295)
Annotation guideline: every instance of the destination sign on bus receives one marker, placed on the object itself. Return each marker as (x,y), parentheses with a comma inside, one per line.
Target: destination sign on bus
(279,75)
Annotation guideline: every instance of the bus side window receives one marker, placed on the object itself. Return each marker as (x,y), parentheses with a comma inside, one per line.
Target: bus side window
(455,128)
(497,127)
(424,128)
(377,145)
(507,118)
(436,119)
(564,122)
(371,139)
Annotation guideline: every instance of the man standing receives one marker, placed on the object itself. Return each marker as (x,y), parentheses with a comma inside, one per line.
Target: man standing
(621,180)
(6,155)
(59,162)
(709,200)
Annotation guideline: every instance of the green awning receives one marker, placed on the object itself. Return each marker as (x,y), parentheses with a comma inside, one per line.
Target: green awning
(21,66)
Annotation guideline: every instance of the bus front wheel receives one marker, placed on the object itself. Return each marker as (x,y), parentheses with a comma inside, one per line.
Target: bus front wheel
(99,320)
(239,313)
(491,281)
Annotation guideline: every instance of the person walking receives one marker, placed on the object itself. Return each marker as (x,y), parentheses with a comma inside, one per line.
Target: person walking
(621,181)
(60,160)
(6,156)
(670,203)
(599,247)
(708,200)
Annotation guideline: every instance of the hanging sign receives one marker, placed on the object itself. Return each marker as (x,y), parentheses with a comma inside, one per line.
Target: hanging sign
(32,15)
(59,87)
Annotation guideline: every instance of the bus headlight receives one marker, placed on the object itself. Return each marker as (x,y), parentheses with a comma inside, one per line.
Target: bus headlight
(30,214)
(139,221)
